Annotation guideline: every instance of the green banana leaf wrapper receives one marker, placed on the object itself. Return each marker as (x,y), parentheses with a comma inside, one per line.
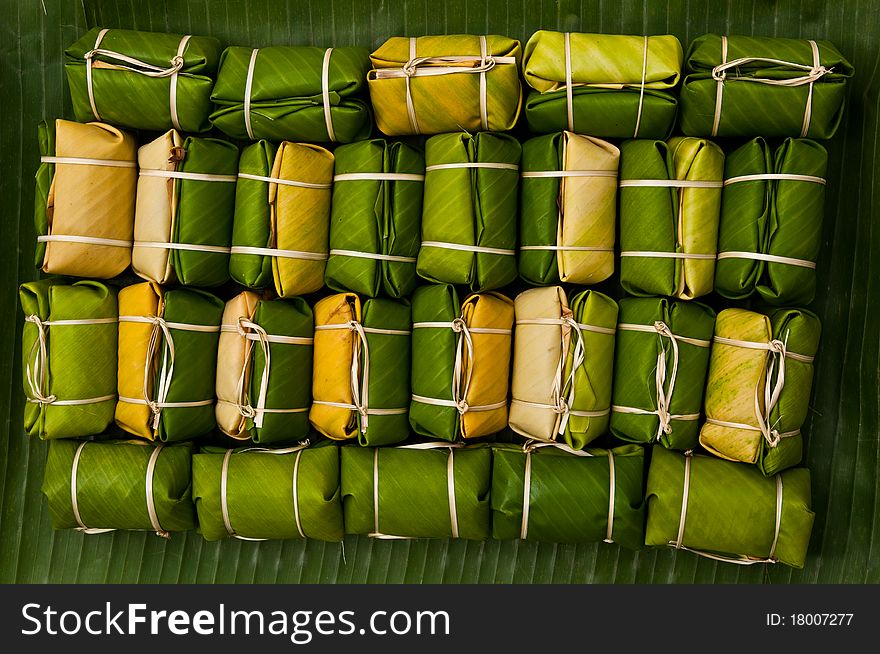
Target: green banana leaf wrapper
(389,384)
(741,373)
(270,493)
(567,224)
(201,211)
(71,362)
(123,92)
(731,509)
(751,104)
(111,486)
(771,218)
(569,495)
(291,384)
(551,398)
(480,409)
(432,84)
(414,498)
(375,222)
(252,222)
(669,234)
(593,380)
(288,101)
(618,89)
(470,207)
(635,411)
(195,364)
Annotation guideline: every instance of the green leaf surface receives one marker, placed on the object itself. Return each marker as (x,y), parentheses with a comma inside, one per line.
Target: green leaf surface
(842,434)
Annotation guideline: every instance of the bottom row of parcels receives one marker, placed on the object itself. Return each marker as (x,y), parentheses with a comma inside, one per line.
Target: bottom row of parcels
(540,491)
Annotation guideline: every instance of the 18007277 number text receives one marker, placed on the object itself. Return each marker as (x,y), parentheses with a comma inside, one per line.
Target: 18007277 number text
(809,620)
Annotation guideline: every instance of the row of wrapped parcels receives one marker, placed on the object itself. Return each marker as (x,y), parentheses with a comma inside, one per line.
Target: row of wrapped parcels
(602,84)
(716,508)
(476,210)
(175,364)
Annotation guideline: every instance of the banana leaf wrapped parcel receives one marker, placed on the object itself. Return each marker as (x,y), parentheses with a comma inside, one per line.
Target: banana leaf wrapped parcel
(426,490)
(663,349)
(184,210)
(167,361)
(469,211)
(292,93)
(728,511)
(360,377)
(282,217)
(255,493)
(771,221)
(376,218)
(606,85)
(264,368)
(758,393)
(460,362)
(143,80)
(95,487)
(84,199)
(569,209)
(555,494)
(445,83)
(68,348)
(562,363)
(763,86)
(670,203)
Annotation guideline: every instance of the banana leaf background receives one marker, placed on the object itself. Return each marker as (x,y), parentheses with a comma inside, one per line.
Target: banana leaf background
(843,447)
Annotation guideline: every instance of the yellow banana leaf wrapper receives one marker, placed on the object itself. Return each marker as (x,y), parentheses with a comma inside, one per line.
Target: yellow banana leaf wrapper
(435,84)
(562,362)
(606,85)
(568,209)
(428,490)
(68,350)
(559,495)
(264,368)
(282,217)
(758,392)
(185,205)
(670,203)
(727,511)
(256,493)
(85,191)
(167,361)
(460,362)
(96,487)
(360,377)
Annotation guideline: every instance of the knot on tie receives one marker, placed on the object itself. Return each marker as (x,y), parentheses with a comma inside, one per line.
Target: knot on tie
(665,383)
(360,373)
(564,385)
(160,340)
(775,382)
(134,65)
(38,363)
(463,369)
